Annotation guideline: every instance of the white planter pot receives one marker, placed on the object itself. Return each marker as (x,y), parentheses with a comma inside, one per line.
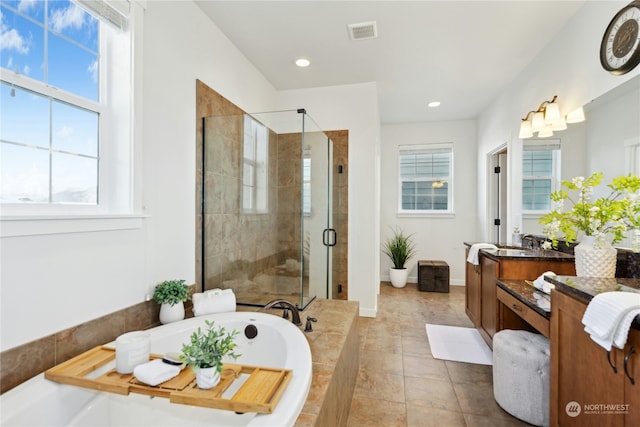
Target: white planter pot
(207,378)
(398,277)
(595,260)
(171,313)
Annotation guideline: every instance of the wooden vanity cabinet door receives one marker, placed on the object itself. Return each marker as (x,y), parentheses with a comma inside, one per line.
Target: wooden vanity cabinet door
(472,291)
(490,271)
(632,391)
(579,368)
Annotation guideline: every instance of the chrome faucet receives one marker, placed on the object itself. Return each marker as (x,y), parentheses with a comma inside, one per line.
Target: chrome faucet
(283,303)
(533,242)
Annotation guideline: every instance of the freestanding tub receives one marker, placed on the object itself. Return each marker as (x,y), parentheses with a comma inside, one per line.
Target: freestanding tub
(279,344)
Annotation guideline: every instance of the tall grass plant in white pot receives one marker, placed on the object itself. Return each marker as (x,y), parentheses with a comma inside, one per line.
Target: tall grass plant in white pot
(400,248)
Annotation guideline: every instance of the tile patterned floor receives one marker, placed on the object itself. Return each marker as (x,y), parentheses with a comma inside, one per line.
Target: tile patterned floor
(400,384)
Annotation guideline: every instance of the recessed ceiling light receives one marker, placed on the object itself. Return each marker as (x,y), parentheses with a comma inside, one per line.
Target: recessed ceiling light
(302,62)
(433,104)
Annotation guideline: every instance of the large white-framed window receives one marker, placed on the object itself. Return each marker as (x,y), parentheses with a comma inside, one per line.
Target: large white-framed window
(425,179)
(255,167)
(66,124)
(540,175)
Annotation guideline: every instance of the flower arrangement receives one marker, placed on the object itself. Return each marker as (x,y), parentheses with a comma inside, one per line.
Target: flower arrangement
(604,218)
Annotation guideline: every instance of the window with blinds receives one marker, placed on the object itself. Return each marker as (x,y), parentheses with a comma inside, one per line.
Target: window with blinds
(426,178)
(540,175)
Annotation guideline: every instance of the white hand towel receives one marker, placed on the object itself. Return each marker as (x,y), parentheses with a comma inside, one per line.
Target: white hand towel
(214,301)
(472,257)
(542,284)
(609,316)
(542,302)
(155,372)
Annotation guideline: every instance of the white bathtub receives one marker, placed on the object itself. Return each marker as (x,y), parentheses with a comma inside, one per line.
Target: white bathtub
(279,344)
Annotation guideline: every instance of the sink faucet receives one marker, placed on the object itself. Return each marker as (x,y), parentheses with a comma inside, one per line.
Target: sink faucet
(283,303)
(533,242)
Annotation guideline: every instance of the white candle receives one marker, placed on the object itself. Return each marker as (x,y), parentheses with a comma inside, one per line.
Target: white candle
(132,349)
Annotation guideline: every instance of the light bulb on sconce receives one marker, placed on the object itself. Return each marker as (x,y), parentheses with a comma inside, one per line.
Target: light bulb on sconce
(546,132)
(576,116)
(525,128)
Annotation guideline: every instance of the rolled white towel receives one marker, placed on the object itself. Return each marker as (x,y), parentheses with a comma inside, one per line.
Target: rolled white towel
(155,372)
(472,257)
(214,301)
(542,284)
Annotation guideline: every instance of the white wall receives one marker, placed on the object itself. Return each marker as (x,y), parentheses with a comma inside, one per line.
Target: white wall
(54,281)
(568,67)
(435,238)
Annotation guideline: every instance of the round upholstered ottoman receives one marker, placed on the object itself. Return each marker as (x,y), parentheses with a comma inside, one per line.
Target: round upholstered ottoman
(521,375)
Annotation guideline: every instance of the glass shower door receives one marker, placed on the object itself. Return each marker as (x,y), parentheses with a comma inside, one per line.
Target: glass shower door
(266,207)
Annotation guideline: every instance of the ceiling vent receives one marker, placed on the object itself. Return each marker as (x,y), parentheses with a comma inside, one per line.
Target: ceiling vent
(363,30)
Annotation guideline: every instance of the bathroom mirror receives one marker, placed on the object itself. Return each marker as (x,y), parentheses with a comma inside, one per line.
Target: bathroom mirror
(608,141)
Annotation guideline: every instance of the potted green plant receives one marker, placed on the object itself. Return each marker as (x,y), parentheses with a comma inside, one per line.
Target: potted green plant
(205,351)
(399,248)
(171,295)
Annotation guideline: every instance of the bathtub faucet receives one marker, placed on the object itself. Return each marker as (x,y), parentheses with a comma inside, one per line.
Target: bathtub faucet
(283,303)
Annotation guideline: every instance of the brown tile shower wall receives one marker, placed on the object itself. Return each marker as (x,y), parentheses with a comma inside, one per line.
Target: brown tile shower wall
(237,245)
(28,360)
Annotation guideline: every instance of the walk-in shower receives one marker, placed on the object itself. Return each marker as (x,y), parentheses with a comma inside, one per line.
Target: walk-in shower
(267,202)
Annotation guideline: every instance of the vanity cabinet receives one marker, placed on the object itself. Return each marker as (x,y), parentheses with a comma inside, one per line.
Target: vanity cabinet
(583,376)
(472,291)
(506,267)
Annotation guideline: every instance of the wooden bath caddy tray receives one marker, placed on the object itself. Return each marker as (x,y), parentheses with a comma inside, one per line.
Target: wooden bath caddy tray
(260,392)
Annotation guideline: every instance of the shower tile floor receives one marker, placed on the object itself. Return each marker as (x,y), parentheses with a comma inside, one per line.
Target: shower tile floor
(401,384)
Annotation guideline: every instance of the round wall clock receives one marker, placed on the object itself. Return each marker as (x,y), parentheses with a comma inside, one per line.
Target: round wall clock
(620,47)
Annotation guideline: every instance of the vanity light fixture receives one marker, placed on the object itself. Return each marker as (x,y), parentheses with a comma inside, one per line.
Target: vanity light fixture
(302,62)
(544,120)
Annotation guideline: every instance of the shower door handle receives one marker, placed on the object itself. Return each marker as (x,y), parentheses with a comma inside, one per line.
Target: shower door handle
(325,237)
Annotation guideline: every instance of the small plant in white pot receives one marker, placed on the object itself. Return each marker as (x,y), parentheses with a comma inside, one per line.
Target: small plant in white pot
(171,295)
(205,352)
(399,248)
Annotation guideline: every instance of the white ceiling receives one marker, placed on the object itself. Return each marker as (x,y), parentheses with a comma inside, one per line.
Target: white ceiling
(461,53)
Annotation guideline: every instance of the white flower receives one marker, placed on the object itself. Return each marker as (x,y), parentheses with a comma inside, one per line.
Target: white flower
(577,181)
(546,245)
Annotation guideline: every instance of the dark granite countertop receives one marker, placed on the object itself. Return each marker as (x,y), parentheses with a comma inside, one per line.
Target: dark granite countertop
(585,288)
(517,252)
(528,295)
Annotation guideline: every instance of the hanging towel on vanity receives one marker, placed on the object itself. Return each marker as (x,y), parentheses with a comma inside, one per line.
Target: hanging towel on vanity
(475,248)
(214,301)
(609,316)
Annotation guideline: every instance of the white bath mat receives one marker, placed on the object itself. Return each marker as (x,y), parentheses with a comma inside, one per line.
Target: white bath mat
(458,344)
